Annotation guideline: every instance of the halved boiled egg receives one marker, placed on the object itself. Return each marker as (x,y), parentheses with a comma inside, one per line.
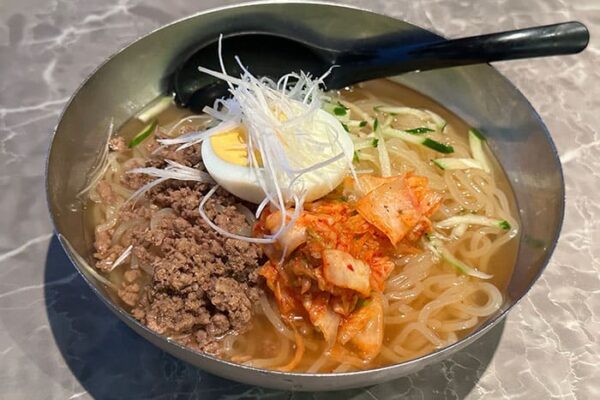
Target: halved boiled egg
(225,157)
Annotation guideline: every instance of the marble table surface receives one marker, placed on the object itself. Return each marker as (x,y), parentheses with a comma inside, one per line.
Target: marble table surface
(57,341)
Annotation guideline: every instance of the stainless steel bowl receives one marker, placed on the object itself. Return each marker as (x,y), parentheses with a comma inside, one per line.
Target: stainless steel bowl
(479,94)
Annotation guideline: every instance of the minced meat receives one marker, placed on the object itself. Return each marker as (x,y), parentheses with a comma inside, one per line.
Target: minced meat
(196,285)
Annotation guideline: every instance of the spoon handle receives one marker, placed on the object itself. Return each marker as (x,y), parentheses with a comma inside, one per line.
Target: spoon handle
(549,40)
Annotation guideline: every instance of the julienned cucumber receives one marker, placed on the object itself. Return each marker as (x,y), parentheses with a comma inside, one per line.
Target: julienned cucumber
(427,142)
(457,163)
(438,249)
(472,219)
(476,140)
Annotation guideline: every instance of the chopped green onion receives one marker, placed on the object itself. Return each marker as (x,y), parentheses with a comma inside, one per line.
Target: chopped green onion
(374,142)
(476,141)
(437,146)
(362,124)
(418,131)
(147,131)
(339,111)
(472,219)
(457,163)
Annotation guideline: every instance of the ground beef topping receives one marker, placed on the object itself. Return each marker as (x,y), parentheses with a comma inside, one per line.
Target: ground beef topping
(184,280)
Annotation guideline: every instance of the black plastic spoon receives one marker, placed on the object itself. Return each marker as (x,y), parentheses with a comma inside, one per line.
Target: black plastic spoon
(275,54)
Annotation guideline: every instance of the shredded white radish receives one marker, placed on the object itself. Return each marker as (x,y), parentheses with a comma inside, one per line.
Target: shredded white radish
(182,121)
(192,138)
(101,166)
(279,119)
(384,157)
(261,207)
(222,231)
(173,171)
(122,257)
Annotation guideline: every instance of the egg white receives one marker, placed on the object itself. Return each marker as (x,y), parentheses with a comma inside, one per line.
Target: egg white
(242,181)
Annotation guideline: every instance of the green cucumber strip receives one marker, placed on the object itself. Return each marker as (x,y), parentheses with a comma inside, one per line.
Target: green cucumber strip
(339,111)
(457,163)
(418,131)
(472,219)
(477,134)
(476,140)
(435,119)
(462,267)
(407,137)
(147,131)
(438,249)
(362,144)
(437,146)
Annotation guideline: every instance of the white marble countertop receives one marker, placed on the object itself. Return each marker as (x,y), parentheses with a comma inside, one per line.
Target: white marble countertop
(57,341)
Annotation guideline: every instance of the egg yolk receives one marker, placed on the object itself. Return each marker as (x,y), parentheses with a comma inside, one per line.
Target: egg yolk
(231,147)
